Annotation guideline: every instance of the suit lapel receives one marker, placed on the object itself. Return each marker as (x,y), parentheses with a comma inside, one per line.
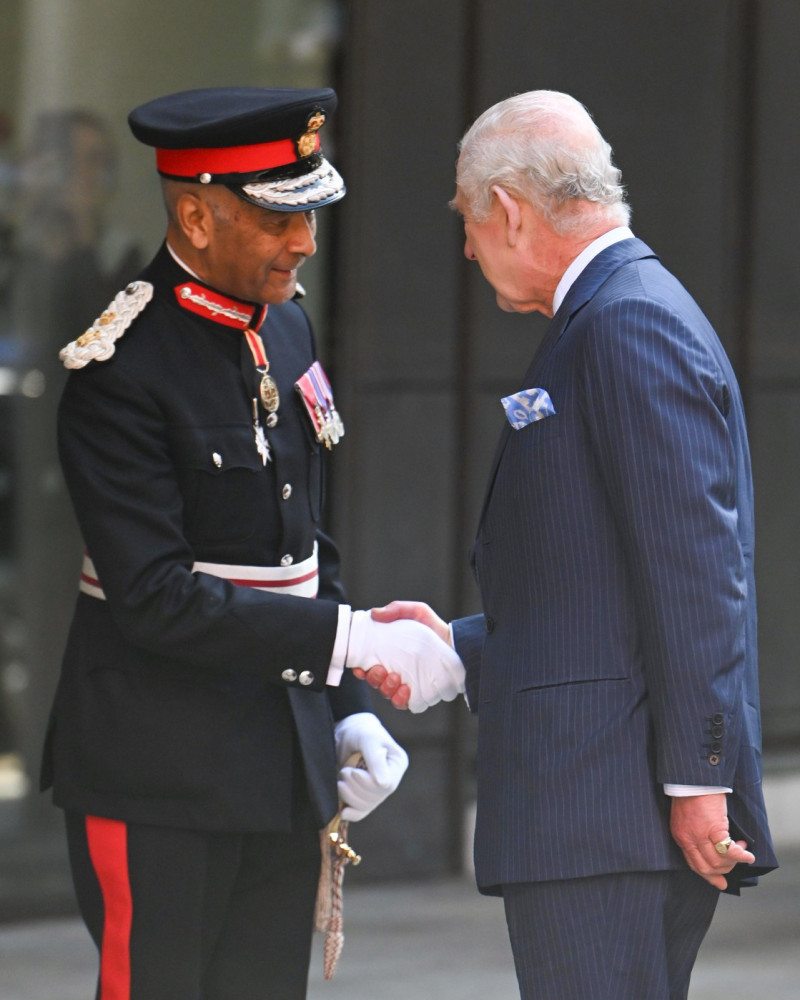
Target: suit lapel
(586,286)
(595,274)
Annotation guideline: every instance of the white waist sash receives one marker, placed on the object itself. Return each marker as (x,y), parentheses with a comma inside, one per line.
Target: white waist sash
(299,580)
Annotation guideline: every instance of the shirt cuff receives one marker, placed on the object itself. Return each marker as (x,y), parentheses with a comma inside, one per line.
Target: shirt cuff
(683,791)
(339,655)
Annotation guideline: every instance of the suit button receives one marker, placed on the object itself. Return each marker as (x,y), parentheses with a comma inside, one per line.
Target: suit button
(287,560)
(713,758)
(286,492)
(717,731)
(306,678)
(290,676)
(718,719)
(716,747)
(489,624)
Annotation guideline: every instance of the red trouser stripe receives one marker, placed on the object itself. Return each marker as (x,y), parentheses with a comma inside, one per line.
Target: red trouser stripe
(108,849)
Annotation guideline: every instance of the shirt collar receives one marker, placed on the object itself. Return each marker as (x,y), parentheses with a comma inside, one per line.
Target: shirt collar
(182,264)
(569,277)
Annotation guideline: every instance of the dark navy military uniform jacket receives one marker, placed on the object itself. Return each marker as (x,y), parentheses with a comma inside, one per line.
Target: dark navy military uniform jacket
(173,707)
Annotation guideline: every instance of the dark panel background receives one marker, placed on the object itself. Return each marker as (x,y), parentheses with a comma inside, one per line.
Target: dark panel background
(699,100)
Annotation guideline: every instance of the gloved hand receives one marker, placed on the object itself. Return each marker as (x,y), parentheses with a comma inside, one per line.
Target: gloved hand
(385,763)
(432,669)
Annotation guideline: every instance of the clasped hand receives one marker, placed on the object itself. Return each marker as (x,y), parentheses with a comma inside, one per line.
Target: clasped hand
(697,823)
(402,650)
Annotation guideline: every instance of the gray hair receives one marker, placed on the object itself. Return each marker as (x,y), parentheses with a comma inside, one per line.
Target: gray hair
(543,147)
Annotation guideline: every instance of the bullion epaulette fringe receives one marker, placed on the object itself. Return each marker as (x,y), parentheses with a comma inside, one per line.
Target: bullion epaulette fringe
(97,343)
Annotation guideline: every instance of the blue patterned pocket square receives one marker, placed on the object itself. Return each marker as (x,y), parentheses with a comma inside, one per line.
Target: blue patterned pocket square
(525,407)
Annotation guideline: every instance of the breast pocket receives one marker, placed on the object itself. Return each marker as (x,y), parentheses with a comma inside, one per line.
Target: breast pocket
(547,428)
(223,482)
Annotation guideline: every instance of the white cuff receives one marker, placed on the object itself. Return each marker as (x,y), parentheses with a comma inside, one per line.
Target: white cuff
(683,791)
(339,655)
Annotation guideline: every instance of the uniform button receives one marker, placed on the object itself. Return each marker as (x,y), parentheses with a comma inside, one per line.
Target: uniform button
(717,731)
(713,758)
(490,624)
(216,458)
(272,420)
(716,747)
(286,492)
(718,719)
(287,560)
(290,676)
(306,678)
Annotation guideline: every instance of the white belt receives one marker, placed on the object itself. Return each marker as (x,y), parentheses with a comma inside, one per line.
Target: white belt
(298,580)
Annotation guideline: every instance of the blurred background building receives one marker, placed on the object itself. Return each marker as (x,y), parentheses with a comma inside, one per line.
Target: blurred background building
(699,99)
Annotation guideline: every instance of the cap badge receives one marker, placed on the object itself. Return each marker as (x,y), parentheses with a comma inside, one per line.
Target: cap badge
(307,142)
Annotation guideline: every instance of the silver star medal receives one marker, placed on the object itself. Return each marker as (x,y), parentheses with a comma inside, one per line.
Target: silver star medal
(262,445)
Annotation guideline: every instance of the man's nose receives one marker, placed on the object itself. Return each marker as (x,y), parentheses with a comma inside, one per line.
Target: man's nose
(301,235)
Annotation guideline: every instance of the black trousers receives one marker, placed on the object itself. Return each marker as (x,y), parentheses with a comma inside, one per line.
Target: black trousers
(632,936)
(190,915)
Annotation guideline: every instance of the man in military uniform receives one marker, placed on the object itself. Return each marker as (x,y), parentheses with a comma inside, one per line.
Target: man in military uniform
(204,713)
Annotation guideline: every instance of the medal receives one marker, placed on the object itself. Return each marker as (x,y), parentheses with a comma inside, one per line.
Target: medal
(267,387)
(317,396)
(262,445)
(268,391)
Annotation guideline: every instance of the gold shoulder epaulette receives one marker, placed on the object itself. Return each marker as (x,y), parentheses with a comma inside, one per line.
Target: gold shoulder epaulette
(97,343)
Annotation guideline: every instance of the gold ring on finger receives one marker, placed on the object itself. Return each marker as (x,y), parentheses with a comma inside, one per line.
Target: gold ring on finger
(722,846)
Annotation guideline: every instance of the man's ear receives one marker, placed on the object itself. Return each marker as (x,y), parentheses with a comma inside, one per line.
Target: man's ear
(193,215)
(513,213)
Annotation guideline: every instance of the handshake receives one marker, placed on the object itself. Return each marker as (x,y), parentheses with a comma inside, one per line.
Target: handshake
(403,651)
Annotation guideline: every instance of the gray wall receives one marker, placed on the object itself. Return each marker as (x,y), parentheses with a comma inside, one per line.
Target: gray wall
(699,100)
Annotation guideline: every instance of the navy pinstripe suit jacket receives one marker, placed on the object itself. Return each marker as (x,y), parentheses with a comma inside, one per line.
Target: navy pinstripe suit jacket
(614,556)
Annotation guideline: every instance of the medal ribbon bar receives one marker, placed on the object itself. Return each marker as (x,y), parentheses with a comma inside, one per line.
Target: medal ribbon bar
(314,407)
(315,391)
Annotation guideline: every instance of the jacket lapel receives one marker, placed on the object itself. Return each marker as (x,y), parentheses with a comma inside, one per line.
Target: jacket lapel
(595,274)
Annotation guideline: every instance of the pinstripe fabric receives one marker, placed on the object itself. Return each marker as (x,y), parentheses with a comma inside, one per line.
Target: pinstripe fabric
(567,945)
(614,558)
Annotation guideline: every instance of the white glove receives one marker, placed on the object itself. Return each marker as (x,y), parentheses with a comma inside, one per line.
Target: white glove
(385,762)
(431,668)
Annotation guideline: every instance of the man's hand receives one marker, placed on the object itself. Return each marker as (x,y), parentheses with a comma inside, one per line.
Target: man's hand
(413,666)
(389,683)
(697,823)
(361,789)
(413,611)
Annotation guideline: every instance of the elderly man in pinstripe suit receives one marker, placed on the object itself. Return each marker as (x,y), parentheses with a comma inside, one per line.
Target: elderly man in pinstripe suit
(614,667)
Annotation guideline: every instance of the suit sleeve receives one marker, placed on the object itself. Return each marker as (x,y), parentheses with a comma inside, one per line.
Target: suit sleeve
(468,636)
(655,407)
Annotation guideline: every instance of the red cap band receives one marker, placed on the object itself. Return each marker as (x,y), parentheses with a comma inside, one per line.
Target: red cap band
(231,160)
